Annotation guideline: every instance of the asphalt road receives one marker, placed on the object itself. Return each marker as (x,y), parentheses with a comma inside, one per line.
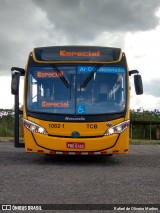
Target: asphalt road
(40,179)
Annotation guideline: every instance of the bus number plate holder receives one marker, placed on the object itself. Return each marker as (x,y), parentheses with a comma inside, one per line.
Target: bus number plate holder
(74,145)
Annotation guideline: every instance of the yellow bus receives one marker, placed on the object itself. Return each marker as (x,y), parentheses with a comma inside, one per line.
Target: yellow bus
(76,100)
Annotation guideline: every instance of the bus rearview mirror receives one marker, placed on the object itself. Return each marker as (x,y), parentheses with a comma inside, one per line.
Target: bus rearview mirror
(138,84)
(15,84)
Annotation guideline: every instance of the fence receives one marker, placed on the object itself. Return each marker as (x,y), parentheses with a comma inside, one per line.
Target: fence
(145,130)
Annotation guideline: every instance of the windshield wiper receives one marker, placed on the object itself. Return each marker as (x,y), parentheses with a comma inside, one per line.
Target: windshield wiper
(61,76)
(89,77)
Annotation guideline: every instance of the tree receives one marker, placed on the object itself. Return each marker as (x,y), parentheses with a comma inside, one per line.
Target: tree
(6,120)
(144,115)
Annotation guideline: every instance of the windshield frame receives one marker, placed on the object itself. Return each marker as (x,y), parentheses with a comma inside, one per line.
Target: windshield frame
(84,116)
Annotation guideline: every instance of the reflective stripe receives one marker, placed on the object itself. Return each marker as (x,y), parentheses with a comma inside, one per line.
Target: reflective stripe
(84,153)
(97,153)
(76,153)
(71,153)
(58,153)
(121,151)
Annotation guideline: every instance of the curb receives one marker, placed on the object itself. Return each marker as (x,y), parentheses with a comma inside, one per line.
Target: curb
(6,140)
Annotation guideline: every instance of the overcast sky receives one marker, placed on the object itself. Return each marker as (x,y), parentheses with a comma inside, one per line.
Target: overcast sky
(133,26)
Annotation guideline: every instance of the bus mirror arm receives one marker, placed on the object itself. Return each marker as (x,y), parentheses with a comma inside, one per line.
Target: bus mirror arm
(131,72)
(18,69)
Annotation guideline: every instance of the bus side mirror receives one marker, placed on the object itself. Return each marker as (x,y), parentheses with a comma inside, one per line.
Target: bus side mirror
(16,73)
(138,84)
(15,84)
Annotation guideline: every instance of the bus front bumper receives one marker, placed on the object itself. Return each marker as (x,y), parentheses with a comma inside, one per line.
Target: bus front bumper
(105,145)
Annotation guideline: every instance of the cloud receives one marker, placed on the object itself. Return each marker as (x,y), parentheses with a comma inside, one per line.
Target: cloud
(152,88)
(151,95)
(147,102)
(26,24)
(23,25)
(81,20)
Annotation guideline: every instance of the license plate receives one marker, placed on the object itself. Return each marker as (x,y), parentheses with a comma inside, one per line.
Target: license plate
(73,145)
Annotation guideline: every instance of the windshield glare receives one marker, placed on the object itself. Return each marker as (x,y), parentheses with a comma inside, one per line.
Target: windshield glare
(76,90)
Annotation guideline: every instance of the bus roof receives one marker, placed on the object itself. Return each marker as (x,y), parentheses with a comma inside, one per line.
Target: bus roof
(76,54)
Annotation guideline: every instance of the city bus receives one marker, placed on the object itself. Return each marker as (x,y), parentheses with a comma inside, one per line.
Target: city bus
(76,100)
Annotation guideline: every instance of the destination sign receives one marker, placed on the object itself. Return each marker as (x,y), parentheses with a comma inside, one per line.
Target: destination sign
(76,53)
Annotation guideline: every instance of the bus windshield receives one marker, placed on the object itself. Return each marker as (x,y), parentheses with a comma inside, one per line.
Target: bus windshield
(76,89)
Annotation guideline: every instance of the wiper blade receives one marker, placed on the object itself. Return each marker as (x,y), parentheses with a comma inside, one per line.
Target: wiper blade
(59,73)
(89,77)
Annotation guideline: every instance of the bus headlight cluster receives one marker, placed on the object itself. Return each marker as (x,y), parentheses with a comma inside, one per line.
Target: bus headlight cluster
(32,127)
(117,129)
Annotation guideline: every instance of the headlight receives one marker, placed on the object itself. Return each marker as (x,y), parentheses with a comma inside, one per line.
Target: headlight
(32,127)
(117,129)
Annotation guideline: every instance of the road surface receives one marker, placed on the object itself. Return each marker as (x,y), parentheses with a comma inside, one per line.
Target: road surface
(27,178)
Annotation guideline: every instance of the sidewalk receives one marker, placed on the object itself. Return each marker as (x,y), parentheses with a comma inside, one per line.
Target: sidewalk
(9,139)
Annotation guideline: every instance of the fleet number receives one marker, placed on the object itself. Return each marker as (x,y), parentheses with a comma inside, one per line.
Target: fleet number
(56,125)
